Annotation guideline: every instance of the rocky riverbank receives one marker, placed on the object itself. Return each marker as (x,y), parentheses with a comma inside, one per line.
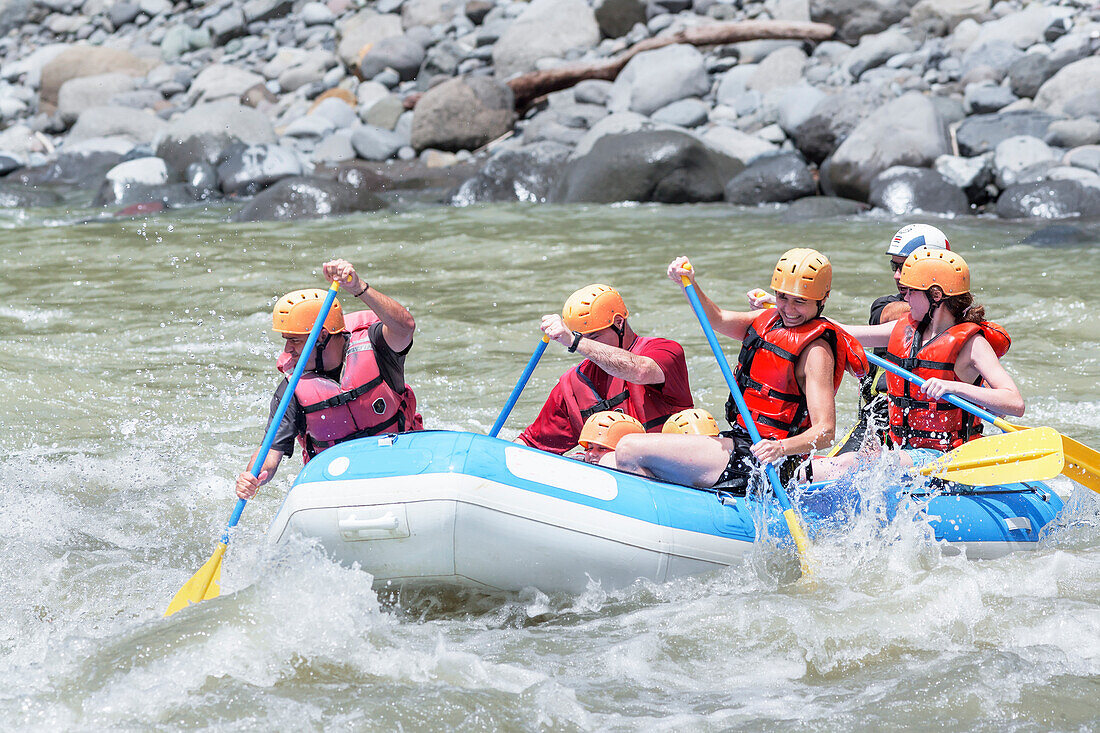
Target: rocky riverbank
(302,109)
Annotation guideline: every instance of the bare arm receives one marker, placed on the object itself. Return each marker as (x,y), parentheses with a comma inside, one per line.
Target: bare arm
(613,360)
(894,312)
(398,325)
(872,337)
(247,484)
(734,324)
(977,359)
(621,363)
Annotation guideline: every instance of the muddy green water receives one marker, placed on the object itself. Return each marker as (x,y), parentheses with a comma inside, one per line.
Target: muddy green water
(135,372)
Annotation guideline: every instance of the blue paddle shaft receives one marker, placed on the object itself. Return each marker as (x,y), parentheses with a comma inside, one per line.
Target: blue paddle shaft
(738,398)
(288,395)
(953,399)
(514,397)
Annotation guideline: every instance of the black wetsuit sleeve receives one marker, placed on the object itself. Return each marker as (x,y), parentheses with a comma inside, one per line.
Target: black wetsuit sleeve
(391,364)
(880,305)
(291,426)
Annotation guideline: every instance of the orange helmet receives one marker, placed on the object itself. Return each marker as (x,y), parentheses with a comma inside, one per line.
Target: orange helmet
(593,308)
(605,429)
(294,313)
(927,267)
(691,422)
(803,273)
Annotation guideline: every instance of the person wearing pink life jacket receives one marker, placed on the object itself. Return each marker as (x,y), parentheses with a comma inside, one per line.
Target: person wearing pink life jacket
(643,377)
(354,379)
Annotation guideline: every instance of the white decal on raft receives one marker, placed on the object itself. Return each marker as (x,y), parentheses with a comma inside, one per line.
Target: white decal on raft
(572,476)
(338,466)
(1018,523)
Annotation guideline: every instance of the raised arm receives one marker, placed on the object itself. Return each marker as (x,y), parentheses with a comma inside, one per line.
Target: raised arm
(734,324)
(398,325)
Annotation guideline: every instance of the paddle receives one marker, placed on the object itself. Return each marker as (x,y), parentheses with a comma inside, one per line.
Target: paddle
(1082,464)
(801,541)
(512,398)
(1028,455)
(206,583)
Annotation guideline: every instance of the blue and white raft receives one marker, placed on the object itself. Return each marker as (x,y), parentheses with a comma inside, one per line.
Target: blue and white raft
(440,508)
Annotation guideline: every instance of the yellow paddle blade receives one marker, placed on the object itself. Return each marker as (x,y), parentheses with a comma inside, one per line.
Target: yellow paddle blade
(1082,463)
(1034,454)
(204,584)
(801,541)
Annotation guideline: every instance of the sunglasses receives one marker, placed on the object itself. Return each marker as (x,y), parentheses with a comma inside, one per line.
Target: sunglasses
(896,266)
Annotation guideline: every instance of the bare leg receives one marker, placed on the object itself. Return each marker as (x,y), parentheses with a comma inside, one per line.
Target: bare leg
(691,460)
(828,469)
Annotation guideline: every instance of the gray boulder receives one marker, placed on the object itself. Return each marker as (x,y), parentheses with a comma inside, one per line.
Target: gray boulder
(1073,133)
(999,56)
(399,53)
(654,79)
(81,60)
(982,133)
(856,18)
(525,174)
(547,28)
(1014,155)
(986,98)
(364,28)
(796,104)
(593,91)
(772,179)
(902,191)
(1071,81)
(227,25)
(665,166)
(219,82)
(462,114)
(125,122)
(1086,156)
(200,133)
(741,146)
(617,17)
(875,50)
(814,208)
(683,113)
(907,131)
(81,93)
(246,169)
(1049,200)
(833,119)
(1029,73)
(13,13)
(948,13)
(427,12)
(80,170)
(376,143)
(307,197)
(973,175)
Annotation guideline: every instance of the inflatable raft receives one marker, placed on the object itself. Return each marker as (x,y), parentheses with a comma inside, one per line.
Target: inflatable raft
(439,508)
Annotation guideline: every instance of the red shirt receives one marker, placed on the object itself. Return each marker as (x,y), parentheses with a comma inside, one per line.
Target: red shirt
(553,431)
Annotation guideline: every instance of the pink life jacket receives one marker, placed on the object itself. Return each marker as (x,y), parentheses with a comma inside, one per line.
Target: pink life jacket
(360,404)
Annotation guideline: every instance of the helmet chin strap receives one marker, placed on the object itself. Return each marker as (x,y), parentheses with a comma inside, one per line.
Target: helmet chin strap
(620,331)
(932,306)
(318,351)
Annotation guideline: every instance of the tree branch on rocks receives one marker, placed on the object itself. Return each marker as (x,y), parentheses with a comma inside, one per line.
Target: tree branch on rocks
(530,86)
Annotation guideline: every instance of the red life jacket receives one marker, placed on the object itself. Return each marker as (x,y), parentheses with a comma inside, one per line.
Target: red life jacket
(916,421)
(582,399)
(766,371)
(360,404)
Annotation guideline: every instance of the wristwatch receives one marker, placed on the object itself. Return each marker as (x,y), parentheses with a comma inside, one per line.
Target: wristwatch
(577,336)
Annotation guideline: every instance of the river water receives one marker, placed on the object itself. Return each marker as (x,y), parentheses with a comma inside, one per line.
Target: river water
(136,369)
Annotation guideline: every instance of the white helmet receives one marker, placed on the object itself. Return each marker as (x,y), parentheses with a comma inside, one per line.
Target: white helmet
(908,238)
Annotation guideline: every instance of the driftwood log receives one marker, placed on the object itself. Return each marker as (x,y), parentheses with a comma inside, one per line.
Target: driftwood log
(529,87)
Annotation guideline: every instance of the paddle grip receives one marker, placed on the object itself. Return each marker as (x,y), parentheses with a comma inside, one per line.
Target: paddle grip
(518,389)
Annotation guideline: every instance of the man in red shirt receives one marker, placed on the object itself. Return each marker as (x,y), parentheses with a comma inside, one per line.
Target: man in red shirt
(643,377)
